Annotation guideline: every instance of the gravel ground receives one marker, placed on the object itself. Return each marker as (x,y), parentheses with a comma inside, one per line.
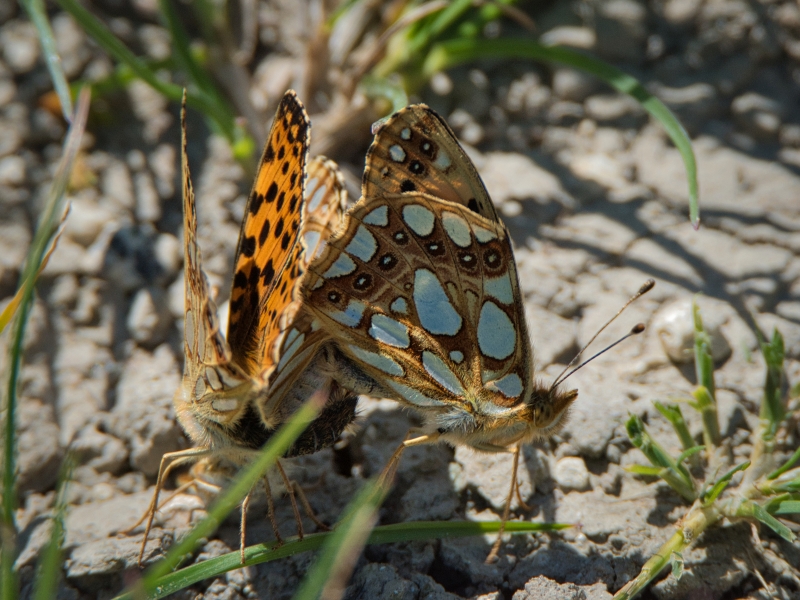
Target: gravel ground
(595,197)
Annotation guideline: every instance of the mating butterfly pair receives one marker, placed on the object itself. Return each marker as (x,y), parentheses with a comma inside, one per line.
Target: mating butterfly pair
(414,297)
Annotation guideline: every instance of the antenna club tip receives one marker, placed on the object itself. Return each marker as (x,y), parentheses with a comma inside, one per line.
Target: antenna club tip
(637,329)
(648,285)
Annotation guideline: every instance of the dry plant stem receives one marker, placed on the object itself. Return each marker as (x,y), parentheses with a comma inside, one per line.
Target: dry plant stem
(290,490)
(168,462)
(507,510)
(243,525)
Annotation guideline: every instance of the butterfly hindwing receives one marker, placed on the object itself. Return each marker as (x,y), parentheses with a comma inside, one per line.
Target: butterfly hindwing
(265,271)
(422,294)
(416,151)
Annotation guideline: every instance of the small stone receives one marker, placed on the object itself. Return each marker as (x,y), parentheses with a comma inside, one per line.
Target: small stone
(757,115)
(148,203)
(71,43)
(149,318)
(582,38)
(87,218)
(7,91)
(542,588)
(571,474)
(39,452)
(117,185)
(162,164)
(12,171)
(615,108)
(143,415)
(441,84)
(514,176)
(490,474)
(100,451)
(20,46)
(150,107)
(169,254)
(573,85)
(674,325)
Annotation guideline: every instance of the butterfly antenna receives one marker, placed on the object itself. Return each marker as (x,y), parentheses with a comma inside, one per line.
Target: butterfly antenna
(648,285)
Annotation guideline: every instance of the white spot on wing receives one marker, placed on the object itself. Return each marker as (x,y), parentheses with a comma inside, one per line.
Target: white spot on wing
(457,356)
(457,229)
(389,331)
(316,199)
(436,314)
(378,217)
(351,316)
(396,153)
(484,235)
(499,288)
(225,404)
(380,361)
(405,133)
(399,305)
(439,370)
(413,396)
(363,245)
(510,385)
(497,337)
(213,379)
(442,161)
(310,240)
(419,219)
(343,265)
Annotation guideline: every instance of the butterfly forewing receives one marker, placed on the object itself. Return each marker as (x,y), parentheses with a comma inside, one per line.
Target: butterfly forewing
(298,339)
(208,368)
(422,294)
(265,269)
(416,151)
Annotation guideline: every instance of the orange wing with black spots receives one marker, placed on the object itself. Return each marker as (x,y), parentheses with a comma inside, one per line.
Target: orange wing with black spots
(264,274)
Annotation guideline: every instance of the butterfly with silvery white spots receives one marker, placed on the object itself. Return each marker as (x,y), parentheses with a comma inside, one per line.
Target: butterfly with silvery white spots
(420,295)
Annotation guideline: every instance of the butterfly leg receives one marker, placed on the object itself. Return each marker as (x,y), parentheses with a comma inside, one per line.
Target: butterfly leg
(290,490)
(271,512)
(168,462)
(307,507)
(506,511)
(243,525)
(390,470)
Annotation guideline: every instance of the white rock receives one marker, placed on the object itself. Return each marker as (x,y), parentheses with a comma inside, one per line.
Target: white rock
(674,325)
(571,474)
(12,170)
(148,318)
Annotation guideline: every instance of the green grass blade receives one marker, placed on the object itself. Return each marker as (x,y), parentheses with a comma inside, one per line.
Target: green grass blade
(50,561)
(786,466)
(455,52)
(756,511)
(38,15)
(644,470)
(387,534)
(45,231)
(772,408)
(342,549)
(234,494)
(722,483)
(788,507)
(119,52)
(673,414)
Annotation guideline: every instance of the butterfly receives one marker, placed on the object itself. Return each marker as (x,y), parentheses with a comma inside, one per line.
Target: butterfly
(237,389)
(419,292)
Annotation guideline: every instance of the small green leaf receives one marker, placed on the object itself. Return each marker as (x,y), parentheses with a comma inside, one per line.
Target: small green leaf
(644,470)
(689,452)
(677,564)
(786,466)
(789,507)
(756,511)
(722,483)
